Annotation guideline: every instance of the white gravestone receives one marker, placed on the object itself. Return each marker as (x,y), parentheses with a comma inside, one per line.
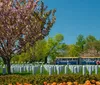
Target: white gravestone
(58,70)
(50,70)
(96,69)
(75,69)
(84,70)
(33,69)
(66,69)
(90,70)
(41,69)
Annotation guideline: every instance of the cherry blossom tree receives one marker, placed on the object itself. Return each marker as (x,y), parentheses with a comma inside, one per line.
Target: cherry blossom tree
(22,22)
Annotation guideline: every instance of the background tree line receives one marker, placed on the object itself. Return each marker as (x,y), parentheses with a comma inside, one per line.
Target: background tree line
(84,47)
(55,47)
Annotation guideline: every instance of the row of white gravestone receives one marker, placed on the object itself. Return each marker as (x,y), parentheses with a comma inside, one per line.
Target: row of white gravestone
(74,69)
(84,69)
(24,68)
(53,69)
(21,68)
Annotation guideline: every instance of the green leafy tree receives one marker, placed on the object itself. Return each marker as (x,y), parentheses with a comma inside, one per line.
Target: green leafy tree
(90,38)
(73,51)
(97,47)
(53,46)
(80,42)
(91,47)
(90,41)
(39,50)
(94,47)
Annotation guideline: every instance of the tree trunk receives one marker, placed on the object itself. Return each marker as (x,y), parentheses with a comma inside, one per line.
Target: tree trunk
(45,59)
(8,66)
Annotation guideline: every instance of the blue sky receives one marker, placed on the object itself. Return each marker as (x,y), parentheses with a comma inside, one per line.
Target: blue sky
(75,17)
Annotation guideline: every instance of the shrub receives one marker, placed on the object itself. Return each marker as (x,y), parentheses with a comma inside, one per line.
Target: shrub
(40,79)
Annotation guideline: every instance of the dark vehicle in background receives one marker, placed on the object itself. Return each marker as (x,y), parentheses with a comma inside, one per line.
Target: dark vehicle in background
(77,60)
